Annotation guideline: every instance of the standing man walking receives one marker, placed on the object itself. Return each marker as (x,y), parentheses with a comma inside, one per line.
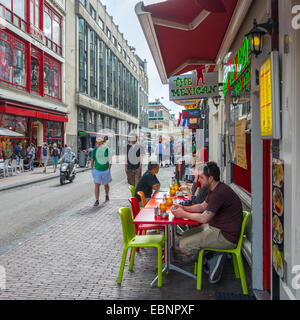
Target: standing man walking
(133,161)
(45,156)
(101,164)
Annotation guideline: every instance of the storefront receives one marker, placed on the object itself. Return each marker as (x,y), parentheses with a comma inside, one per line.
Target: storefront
(36,124)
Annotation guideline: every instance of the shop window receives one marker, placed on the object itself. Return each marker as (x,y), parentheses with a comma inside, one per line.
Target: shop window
(52,78)
(54,133)
(52,30)
(35,67)
(21,125)
(12,60)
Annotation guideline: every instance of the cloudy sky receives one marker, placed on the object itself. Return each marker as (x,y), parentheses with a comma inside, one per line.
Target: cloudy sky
(124,16)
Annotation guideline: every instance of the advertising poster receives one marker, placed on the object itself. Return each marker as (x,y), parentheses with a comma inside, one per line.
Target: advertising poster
(240,143)
(278,216)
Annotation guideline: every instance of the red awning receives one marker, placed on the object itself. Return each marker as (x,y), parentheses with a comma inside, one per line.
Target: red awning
(185,34)
(33,113)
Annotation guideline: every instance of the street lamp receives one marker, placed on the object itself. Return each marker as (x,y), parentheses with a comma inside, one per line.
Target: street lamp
(216,100)
(256,35)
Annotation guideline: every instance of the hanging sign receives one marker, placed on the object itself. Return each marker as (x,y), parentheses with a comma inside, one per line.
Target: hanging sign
(195,85)
(269,98)
(193,113)
(240,143)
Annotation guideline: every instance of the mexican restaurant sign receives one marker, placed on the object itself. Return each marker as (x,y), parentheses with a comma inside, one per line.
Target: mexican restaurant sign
(193,86)
(236,67)
(194,113)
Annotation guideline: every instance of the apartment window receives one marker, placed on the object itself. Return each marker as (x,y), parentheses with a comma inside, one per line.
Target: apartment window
(35,13)
(109,84)
(121,94)
(119,48)
(124,53)
(92,121)
(12,60)
(116,82)
(83,56)
(93,65)
(83,2)
(108,33)
(114,41)
(52,30)
(52,80)
(102,70)
(14,11)
(92,12)
(101,23)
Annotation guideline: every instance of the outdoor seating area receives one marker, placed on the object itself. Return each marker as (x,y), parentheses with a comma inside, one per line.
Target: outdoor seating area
(146,227)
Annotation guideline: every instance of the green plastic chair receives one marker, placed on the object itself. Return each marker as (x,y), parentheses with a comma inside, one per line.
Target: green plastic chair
(236,258)
(132,190)
(131,240)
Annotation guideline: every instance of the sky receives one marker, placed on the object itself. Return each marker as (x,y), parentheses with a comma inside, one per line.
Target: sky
(125,17)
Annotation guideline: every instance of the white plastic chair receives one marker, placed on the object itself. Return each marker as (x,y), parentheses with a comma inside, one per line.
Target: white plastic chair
(6,168)
(13,166)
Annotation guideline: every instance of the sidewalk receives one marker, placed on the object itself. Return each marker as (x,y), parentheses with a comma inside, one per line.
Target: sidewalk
(78,255)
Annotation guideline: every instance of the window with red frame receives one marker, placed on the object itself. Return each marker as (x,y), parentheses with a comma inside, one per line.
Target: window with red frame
(35,69)
(35,13)
(52,78)
(12,60)
(52,30)
(14,11)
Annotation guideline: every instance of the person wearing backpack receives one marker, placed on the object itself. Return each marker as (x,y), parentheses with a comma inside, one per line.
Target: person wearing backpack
(45,156)
(100,164)
(55,153)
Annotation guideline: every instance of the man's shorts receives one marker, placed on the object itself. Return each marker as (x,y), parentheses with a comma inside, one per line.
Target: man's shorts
(101,177)
(54,160)
(204,236)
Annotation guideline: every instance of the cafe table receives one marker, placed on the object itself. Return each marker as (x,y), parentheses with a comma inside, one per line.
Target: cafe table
(147,216)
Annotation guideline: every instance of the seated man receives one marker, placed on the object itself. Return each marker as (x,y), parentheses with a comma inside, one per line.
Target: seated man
(220,216)
(68,157)
(148,181)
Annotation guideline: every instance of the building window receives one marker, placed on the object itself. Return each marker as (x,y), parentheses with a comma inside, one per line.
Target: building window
(35,13)
(83,2)
(120,85)
(52,80)
(109,84)
(80,119)
(52,30)
(92,12)
(108,33)
(35,70)
(124,54)
(93,65)
(119,48)
(116,82)
(114,41)
(14,11)
(92,121)
(12,60)
(83,56)
(102,78)
(101,23)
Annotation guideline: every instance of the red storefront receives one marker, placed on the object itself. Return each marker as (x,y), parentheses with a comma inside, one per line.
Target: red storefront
(38,125)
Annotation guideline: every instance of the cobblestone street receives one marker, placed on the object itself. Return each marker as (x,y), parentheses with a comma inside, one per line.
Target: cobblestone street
(77,256)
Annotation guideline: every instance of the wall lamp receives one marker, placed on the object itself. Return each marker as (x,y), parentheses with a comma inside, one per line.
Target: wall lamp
(235,100)
(256,35)
(216,101)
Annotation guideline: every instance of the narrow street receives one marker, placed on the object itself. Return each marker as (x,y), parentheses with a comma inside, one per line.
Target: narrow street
(24,209)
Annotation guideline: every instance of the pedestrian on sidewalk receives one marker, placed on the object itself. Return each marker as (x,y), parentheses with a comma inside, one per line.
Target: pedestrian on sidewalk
(31,156)
(45,156)
(17,154)
(133,161)
(55,153)
(101,165)
(159,152)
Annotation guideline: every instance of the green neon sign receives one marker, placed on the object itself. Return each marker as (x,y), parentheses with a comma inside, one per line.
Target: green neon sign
(237,66)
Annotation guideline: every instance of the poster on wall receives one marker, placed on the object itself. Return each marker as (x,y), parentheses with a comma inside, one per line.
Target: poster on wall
(278,216)
(240,143)
(231,143)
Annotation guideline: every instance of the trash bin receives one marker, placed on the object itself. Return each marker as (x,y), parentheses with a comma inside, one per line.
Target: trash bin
(82,159)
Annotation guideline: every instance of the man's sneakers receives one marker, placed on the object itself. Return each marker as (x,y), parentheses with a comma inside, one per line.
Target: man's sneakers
(215,265)
(96,204)
(106,198)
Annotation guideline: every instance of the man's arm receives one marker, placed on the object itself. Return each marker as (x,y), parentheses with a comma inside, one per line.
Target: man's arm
(196,208)
(110,162)
(156,187)
(204,217)
(92,163)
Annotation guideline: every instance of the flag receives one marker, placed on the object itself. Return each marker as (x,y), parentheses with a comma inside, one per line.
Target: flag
(179,119)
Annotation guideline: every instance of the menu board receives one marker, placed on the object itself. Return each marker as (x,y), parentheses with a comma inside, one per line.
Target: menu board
(240,143)
(278,216)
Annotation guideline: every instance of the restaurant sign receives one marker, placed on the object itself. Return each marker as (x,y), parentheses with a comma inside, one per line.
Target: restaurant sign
(193,113)
(195,85)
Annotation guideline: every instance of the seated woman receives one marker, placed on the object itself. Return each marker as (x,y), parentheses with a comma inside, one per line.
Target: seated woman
(148,181)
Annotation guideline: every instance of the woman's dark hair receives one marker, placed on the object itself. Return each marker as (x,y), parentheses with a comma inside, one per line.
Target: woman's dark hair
(211,169)
(152,165)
